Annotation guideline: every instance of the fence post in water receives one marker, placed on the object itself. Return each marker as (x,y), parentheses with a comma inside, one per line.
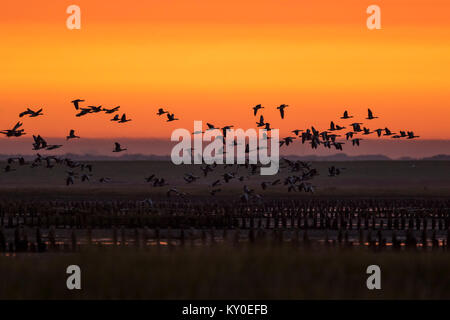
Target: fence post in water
(157,237)
(306,240)
(192,236)
(145,236)
(251,235)
(213,239)
(122,236)
(41,246)
(2,241)
(52,237)
(136,238)
(89,235)
(114,235)
(74,240)
(424,238)
(237,235)
(169,236)
(182,240)
(295,239)
(225,234)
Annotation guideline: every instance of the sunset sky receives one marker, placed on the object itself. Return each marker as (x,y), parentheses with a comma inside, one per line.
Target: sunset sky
(214,60)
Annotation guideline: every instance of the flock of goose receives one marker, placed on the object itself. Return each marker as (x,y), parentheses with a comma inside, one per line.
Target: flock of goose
(298,180)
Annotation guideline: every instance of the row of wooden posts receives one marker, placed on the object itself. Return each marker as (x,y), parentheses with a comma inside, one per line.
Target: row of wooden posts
(169,237)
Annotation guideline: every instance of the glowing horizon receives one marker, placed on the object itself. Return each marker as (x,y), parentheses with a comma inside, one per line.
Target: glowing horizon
(214,61)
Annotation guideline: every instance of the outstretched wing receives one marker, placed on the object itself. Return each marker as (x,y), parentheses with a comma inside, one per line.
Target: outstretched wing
(17,126)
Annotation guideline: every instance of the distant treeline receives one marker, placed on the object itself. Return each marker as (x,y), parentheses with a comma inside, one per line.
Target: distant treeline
(139,156)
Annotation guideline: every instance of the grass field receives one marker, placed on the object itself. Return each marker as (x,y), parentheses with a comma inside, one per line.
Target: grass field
(227,273)
(359,178)
(222,271)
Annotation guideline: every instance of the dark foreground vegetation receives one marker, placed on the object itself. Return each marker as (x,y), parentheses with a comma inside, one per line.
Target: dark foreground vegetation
(227,272)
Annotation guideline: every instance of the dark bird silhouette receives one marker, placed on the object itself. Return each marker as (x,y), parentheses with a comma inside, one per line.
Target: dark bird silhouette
(8,168)
(356,126)
(256,108)
(72,135)
(334,127)
(388,132)
(346,116)
(287,141)
(118,148)
(95,109)
(370,115)
(334,171)
(411,135)
(356,141)
(39,143)
(124,119)
(261,122)
(281,108)
(53,146)
(214,191)
(116,118)
(171,117)
(161,112)
(366,131)
(349,135)
(378,131)
(15,131)
(111,110)
(83,112)
(31,113)
(76,103)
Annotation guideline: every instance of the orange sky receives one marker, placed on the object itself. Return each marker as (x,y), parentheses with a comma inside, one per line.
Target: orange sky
(214,60)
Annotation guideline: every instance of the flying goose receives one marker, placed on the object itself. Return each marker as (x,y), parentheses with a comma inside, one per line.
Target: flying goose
(346,116)
(411,135)
(31,113)
(72,135)
(118,148)
(281,108)
(356,126)
(111,110)
(256,108)
(261,122)
(83,112)
(370,115)
(124,119)
(287,141)
(95,109)
(161,112)
(171,117)
(14,132)
(388,132)
(356,141)
(76,103)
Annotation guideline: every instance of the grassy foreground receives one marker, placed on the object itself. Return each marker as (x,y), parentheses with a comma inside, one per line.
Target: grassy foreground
(224,272)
